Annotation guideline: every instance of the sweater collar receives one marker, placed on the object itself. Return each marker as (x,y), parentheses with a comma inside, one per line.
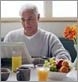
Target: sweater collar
(30,37)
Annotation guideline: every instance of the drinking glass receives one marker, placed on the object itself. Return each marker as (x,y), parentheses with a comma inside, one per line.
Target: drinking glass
(16,60)
(42,73)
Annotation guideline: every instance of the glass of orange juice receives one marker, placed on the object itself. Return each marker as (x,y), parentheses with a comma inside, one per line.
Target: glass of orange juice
(16,61)
(42,73)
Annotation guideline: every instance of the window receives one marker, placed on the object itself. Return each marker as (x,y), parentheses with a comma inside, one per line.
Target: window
(11,8)
(49,10)
(64,9)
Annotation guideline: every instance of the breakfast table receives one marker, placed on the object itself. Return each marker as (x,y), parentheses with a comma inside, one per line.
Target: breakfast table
(71,76)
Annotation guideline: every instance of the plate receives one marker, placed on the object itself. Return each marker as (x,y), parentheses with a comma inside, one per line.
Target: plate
(28,65)
(57,75)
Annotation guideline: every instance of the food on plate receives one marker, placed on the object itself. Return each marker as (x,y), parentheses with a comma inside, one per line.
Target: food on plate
(51,63)
(65,63)
(64,69)
(60,65)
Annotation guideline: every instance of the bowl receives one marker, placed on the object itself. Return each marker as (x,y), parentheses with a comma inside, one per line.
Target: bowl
(5,72)
(57,76)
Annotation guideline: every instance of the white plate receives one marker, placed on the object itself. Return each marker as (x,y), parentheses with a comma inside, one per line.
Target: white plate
(57,76)
(72,74)
(28,65)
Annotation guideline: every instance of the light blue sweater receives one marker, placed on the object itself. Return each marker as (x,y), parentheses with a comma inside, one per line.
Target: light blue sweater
(43,43)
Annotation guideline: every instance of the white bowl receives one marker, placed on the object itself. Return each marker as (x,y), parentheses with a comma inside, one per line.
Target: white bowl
(57,76)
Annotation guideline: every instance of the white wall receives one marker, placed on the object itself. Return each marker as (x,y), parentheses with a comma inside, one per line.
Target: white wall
(55,27)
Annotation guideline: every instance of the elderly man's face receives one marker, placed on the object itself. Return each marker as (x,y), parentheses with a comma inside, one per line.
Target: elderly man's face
(30,22)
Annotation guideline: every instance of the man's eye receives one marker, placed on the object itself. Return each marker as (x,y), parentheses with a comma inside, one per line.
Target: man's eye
(23,19)
(30,19)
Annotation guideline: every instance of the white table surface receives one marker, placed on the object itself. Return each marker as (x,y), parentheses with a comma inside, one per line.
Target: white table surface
(71,76)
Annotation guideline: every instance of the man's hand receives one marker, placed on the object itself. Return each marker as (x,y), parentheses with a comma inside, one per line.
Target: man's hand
(38,61)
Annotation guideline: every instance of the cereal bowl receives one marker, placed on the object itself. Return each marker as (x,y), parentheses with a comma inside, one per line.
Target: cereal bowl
(5,72)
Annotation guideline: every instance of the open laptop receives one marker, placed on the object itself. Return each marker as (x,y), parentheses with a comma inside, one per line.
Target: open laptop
(7,50)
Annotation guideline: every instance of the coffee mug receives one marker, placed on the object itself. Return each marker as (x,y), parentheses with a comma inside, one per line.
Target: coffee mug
(23,74)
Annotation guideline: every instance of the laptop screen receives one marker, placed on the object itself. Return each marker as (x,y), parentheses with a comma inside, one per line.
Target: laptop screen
(8,50)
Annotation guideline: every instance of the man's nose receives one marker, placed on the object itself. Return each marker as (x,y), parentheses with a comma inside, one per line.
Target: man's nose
(27,22)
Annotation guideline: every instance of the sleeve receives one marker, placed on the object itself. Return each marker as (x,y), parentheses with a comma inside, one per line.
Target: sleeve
(57,49)
(8,37)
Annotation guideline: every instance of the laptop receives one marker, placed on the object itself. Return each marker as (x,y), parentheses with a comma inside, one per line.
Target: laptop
(7,50)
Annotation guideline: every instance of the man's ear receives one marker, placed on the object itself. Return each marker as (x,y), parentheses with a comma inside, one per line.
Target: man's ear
(38,16)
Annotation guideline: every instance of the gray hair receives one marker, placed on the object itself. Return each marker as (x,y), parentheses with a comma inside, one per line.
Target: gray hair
(26,7)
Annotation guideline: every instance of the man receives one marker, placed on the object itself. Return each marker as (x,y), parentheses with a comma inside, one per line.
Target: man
(38,42)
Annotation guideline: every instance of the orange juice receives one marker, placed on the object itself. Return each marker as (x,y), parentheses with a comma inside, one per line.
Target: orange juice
(16,62)
(42,74)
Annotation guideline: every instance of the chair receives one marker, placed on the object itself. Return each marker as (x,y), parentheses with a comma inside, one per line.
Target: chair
(69,46)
